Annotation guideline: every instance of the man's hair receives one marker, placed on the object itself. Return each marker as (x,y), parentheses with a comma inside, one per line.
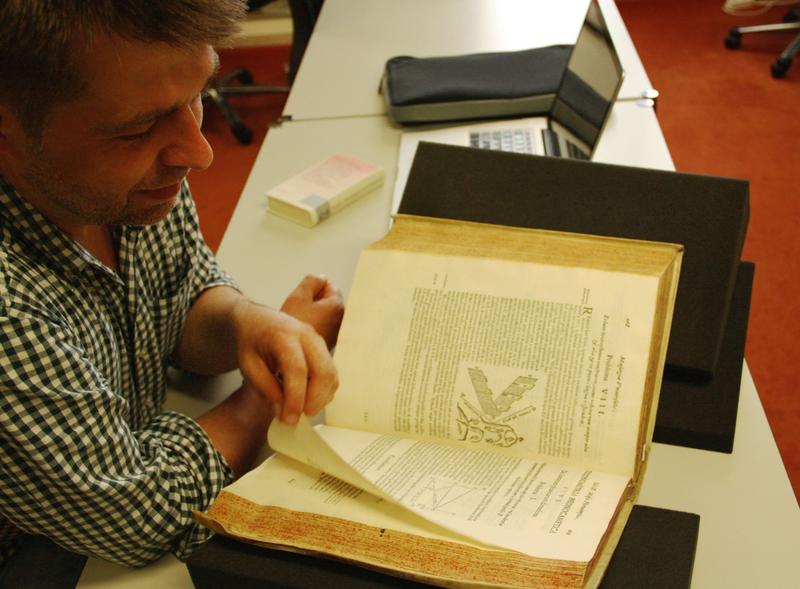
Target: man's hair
(42,42)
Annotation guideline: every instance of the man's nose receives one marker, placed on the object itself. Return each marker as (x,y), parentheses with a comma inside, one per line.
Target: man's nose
(188,147)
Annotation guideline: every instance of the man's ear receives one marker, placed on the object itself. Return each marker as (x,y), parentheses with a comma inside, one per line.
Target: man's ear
(12,135)
(5,145)
(5,125)
(12,142)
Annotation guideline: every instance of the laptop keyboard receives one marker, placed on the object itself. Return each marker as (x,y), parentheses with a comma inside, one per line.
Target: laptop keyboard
(520,141)
(515,140)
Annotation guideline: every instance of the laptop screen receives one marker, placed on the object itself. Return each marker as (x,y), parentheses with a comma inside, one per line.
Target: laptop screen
(590,83)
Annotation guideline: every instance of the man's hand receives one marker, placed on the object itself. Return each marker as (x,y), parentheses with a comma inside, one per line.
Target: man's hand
(282,354)
(319,303)
(285,358)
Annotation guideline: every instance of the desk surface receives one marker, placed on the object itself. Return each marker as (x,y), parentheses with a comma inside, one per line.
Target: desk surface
(353,39)
(255,238)
(750,521)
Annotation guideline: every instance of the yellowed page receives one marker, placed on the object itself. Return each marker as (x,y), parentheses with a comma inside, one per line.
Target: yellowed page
(283,482)
(521,358)
(540,509)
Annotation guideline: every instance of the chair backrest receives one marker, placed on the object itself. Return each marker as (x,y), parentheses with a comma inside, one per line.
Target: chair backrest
(304,17)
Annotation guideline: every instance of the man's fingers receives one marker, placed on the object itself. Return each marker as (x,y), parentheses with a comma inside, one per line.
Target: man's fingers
(319,303)
(309,378)
(287,360)
(261,377)
(329,291)
(323,379)
(285,385)
(294,372)
(310,287)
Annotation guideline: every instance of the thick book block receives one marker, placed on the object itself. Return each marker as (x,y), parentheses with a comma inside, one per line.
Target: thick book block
(707,215)
(701,412)
(656,551)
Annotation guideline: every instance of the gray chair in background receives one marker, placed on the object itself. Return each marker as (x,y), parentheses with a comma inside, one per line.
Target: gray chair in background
(791,21)
(240,81)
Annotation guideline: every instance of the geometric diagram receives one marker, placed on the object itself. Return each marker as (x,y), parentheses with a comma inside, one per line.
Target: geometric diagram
(476,428)
(494,407)
(438,495)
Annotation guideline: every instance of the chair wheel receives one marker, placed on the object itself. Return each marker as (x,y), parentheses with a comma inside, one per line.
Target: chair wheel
(734,39)
(244,76)
(781,66)
(242,133)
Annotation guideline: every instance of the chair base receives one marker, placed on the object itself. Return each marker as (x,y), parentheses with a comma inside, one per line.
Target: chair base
(224,86)
(304,17)
(791,21)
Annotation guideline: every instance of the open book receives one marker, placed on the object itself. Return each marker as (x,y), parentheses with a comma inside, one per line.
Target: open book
(493,422)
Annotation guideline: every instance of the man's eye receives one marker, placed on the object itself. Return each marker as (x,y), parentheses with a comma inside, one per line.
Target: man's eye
(137,136)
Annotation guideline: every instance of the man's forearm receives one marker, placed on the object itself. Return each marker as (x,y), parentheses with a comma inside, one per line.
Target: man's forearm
(238,427)
(208,342)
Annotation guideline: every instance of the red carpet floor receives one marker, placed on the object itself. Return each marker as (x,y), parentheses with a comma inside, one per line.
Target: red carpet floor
(216,189)
(721,113)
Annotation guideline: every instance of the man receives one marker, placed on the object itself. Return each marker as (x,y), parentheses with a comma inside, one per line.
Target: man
(105,281)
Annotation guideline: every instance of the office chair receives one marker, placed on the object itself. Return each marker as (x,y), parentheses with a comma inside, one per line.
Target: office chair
(304,16)
(791,21)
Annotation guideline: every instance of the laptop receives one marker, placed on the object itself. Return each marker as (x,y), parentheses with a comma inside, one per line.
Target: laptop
(572,128)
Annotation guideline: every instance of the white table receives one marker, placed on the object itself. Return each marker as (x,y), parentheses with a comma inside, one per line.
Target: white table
(269,255)
(353,39)
(750,521)
(749,517)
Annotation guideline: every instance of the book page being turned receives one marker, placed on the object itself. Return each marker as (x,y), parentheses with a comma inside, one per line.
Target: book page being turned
(522,358)
(541,509)
(270,504)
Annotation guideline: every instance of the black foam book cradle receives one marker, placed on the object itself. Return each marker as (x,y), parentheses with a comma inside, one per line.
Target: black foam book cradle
(656,550)
(708,215)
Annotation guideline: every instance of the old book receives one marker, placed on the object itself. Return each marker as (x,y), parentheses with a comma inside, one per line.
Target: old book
(494,417)
(324,189)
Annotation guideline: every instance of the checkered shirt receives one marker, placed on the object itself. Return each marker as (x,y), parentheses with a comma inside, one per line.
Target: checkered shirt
(88,457)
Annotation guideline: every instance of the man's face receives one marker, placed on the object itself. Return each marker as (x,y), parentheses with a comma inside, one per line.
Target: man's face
(117,154)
